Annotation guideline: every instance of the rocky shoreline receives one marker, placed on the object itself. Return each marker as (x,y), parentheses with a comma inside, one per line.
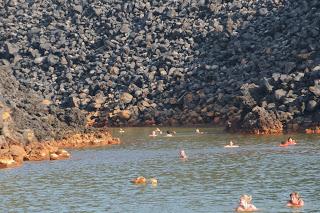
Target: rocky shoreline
(31,131)
(251,66)
(14,153)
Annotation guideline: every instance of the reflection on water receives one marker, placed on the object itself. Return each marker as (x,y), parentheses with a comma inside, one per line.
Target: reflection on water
(211,180)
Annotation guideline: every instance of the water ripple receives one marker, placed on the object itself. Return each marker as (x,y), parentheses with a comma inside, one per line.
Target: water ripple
(211,180)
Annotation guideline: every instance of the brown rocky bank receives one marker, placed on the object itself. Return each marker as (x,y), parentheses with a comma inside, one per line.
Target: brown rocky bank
(13,153)
(31,131)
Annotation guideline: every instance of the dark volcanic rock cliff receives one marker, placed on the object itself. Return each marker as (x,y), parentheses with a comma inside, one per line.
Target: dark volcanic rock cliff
(255,64)
(24,112)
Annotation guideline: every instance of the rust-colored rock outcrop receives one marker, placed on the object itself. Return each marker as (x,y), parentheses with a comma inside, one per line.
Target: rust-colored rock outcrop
(92,139)
(60,154)
(11,155)
(6,159)
(39,151)
(14,153)
(258,121)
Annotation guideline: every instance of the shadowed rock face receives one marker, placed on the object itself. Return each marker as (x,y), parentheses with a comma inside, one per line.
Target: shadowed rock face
(25,118)
(261,121)
(166,62)
(23,109)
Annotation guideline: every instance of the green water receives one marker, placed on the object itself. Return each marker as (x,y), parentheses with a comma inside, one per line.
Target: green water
(211,180)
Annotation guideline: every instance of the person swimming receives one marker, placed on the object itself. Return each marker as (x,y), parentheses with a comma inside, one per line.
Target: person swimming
(295,200)
(139,180)
(121,130)
(153,181)
(288,142)
(154,134)
(182,154)
(231,145)
(245,204)
(198,131)
(170,133)
(284,144)
(158,131)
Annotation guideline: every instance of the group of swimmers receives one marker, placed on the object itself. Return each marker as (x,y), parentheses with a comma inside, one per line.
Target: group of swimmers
(143,180)
(245,201)
(157,132)
(288,142)
(245,204)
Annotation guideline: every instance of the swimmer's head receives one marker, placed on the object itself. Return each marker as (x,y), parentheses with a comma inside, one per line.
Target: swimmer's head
(295,194)
(183,154)
(246,198)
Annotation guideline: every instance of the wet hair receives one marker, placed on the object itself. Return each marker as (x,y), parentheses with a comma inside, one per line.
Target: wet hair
(295,194)
(247,198)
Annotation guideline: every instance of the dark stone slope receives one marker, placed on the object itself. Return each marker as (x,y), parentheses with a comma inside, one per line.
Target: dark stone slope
(23,113)
(255,64)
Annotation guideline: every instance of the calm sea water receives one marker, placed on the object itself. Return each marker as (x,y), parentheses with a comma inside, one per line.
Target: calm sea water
(211,180)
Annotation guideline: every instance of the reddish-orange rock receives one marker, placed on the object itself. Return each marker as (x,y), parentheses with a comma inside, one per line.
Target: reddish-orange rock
(6,159)
(17,152)
(92,139)
(38,151)
(13,153)
(61,154)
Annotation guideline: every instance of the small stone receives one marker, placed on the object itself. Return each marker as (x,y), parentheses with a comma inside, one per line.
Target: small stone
(312,104)
(53,59)
(78,8)
(126,98)
(315,90)
(11,48)
(39,60)
(163,72)
(125,28)
(289,66)
(114,70)
(171,13)
(266,85)
(263,11)
(64,61)
(124,114)
(276,76)
(279,93)
(299,76)
(316,68)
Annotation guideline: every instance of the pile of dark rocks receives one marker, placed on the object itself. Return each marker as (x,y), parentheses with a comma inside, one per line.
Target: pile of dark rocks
(254,65)
(26,117)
